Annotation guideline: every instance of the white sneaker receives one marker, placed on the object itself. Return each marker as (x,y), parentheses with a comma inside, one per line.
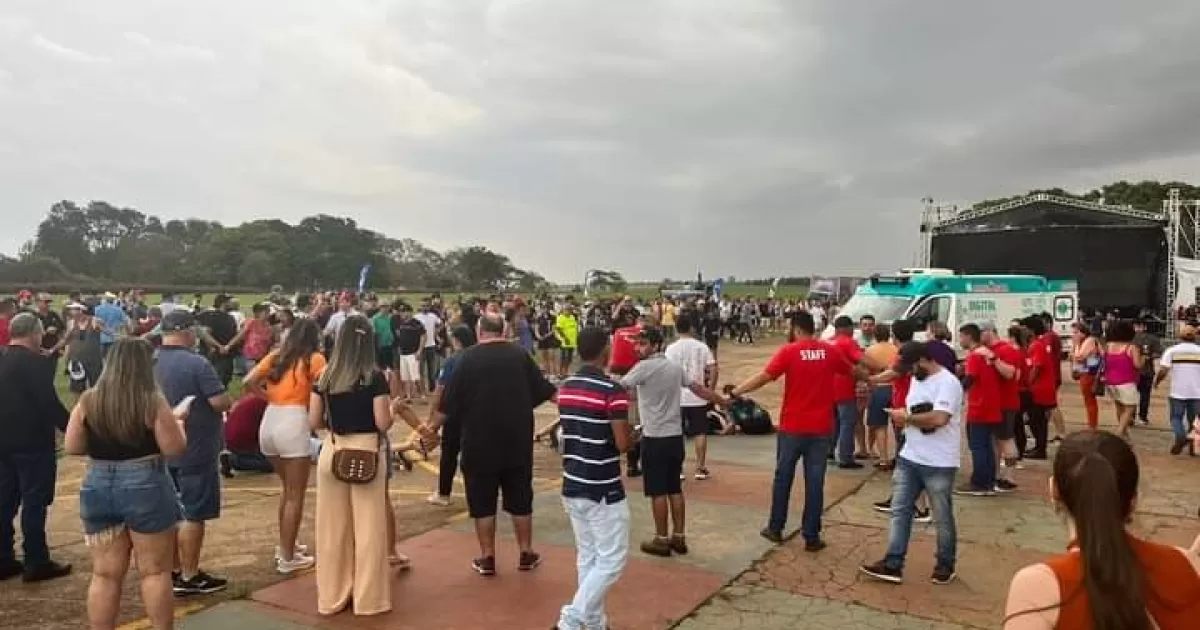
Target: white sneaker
(300,550)
(297,563)
(438,500)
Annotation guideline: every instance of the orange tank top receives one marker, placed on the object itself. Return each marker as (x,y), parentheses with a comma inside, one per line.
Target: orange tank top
(1172,587)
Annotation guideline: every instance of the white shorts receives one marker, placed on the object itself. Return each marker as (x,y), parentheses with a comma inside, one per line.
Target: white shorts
(284,432)
(1126,394)
(410,368)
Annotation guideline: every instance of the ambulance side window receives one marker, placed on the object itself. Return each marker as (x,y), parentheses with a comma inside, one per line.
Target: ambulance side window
(935,308)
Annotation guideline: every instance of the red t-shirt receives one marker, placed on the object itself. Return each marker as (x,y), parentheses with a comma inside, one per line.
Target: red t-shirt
(1054,343)
(843,385)
(241,424)
(983,397)
(1045,386)
(810,366)
(1010,388)
(900,386)
(4,334)
(624,353)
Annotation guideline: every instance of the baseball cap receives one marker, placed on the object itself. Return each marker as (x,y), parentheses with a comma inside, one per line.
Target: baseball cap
(651,334)
(911,352)
(177,321)
(45,297)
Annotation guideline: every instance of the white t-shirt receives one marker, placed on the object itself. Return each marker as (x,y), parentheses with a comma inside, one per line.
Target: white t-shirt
(940,448)
(431,323)
(1183,359)
(694,357)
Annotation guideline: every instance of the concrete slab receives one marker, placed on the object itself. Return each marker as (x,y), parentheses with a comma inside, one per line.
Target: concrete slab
(976,599)
(442,592)
(739,607)
(241,614)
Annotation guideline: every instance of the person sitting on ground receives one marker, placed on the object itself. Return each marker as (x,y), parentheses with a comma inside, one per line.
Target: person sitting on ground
(1108,579)
(242,423)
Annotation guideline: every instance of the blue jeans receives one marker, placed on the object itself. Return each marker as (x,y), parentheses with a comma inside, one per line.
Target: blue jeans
(788,451)
(136,495)
(27,483)
(908,480)
(602,544)
(1183,413)
(980,439)
(847,417)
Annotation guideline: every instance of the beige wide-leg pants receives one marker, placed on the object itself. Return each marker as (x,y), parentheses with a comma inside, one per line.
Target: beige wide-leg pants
(352,545)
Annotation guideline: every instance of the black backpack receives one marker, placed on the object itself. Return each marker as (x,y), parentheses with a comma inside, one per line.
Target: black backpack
(750,417)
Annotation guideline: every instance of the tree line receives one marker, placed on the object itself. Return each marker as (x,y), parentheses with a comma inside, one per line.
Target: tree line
(1145,195)
(99,242)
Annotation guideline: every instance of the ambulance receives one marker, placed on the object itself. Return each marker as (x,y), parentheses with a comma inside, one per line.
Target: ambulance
(925,295)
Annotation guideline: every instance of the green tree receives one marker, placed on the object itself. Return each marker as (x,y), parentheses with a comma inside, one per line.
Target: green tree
(478,267)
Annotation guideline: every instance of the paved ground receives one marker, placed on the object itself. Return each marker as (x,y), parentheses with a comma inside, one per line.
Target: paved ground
(732,579)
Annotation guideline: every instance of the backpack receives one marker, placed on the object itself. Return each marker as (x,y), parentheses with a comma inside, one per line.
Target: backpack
(750,417)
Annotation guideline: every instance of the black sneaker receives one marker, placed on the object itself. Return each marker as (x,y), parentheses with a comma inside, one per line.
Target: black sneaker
(971,491)
(813,546)
(884,506)
(1177,447)
(1036,455)
(484,566)
(772,535)
(529,561)
(48,571)
(1004,485)
(657,547)
(226,461)
(199,584)
(942,576)
(881,571)
(11,569)
(922,516)
(851,466)
(679,545)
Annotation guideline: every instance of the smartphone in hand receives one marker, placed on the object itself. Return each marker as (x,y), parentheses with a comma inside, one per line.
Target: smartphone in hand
(184,407)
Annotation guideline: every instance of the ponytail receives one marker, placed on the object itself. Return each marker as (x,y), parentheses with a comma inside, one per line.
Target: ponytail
(1112,575)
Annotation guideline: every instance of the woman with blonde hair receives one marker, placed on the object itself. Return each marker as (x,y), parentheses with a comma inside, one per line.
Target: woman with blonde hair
(127,501)
(285,377)
(351,401)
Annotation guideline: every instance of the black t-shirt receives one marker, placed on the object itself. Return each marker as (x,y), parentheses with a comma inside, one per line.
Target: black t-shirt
(470,317)
(51,320)
(220,325)
(408,334)
(491,395)
(354,411)
(544,326)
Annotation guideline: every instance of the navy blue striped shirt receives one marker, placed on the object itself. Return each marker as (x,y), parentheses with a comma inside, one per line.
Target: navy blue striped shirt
(588,402)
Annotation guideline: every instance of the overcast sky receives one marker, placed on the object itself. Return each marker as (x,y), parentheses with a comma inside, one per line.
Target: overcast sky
(752,138)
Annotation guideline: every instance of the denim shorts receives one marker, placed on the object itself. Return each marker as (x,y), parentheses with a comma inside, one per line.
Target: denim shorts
(199,491)
(137,495)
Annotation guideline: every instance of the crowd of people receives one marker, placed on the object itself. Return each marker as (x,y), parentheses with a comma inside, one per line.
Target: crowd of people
(326,376)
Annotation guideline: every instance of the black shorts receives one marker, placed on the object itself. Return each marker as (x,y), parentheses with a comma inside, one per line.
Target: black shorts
(483,489)
(695,420)
(385,358)
(549,343)
(662,464)
(566,354)
(1007,427)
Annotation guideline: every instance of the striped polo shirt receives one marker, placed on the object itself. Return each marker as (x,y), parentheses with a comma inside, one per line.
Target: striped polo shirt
(588,402)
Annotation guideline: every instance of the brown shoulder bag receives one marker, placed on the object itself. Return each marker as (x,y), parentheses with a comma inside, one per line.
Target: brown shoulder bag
(351,465)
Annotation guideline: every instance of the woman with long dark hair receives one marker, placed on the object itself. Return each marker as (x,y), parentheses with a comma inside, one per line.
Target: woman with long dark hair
(1122,367)
(285,377)
(1108,579)
(1085,368)
(127,502)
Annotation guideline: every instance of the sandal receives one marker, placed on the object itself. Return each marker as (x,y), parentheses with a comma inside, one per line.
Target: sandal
(400,561)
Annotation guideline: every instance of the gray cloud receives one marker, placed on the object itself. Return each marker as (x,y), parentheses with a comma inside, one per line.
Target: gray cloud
(751,138)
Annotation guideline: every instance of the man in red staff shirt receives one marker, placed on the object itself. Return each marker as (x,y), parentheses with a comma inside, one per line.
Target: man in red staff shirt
(982,378)
(805,423)
(1007,356)
(844,395)
(1043,384)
